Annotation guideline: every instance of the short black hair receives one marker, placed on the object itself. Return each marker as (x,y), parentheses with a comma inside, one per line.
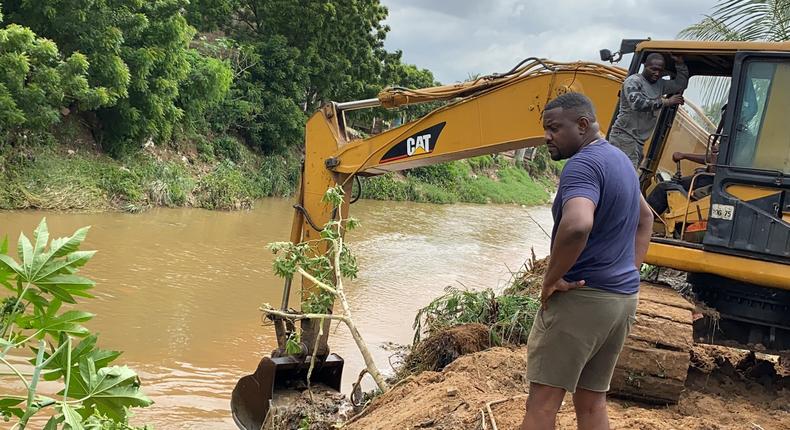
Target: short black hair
(655,56)
(576,102)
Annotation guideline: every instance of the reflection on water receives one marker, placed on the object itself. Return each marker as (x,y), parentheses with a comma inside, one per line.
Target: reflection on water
(178,289)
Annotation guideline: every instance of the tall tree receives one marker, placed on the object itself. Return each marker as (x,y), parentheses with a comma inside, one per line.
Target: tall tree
(138,55)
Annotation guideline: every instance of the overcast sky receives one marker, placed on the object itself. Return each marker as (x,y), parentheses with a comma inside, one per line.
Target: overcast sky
(458,38)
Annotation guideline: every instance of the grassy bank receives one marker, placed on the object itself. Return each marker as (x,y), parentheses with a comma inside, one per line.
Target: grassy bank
(484,179)
(222,173)
(213,174)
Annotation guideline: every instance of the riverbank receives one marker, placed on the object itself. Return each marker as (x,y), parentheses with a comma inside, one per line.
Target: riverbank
(222,173)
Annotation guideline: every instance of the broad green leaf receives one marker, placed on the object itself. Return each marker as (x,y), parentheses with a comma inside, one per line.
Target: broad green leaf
(66,245)
(40,237)
(9,402)
(68,322)
(110,389)
(73,420)
(72,261)
(65,281)
(62,247)
(53,422)
(86,348)
(66,286)
(10,264)
(4,245)
(25,250)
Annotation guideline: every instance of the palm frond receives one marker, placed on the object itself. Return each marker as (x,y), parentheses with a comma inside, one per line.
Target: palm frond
(765,20)
(738,20)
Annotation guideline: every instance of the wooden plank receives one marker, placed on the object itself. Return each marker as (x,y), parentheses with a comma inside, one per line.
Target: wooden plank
(664,295)
(663,332)
(645,388)
(661,363)
(659,310)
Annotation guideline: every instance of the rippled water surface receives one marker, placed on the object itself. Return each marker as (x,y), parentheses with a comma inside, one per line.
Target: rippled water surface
(179,289)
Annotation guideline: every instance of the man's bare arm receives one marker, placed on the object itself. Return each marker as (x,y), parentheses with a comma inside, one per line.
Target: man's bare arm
(571,238)
(643,231)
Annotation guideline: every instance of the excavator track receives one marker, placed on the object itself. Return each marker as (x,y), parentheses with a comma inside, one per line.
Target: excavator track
(655,359)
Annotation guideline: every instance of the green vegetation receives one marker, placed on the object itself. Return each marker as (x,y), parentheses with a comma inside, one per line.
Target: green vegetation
(127,104)
(52,177)
(34,326)
(482,179)
(508,316)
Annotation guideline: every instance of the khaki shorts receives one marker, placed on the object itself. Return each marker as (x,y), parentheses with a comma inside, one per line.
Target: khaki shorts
(576,341)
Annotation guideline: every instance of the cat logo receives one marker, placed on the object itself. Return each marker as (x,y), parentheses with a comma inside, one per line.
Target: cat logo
(420,145)
(422,142)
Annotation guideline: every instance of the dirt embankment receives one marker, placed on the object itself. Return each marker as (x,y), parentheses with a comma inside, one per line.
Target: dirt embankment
(726,389)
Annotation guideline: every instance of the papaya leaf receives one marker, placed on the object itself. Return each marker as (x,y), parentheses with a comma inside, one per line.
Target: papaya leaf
(65,265)
(68,323)
(25,251)
(66,286)
(41,238)
(8,263)
(66,245)
(53,422)
(110,390)
(56,368)
(73,420)
(8,407)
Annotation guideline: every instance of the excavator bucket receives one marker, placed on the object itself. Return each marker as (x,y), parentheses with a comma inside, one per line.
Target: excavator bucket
(276,381)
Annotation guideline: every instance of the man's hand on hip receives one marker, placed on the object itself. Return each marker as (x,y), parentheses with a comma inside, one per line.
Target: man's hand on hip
(560,285)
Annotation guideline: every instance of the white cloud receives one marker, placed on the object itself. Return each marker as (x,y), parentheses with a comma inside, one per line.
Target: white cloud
(458,38)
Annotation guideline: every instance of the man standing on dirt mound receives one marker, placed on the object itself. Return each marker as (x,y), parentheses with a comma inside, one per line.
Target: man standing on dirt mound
(601,233)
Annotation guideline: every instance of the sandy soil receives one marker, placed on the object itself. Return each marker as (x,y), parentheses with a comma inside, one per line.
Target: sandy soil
(726,389)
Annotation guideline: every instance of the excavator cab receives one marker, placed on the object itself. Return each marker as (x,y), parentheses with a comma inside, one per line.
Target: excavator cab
(728,224)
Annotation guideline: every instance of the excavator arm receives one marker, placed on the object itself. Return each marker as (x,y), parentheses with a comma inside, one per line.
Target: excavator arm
(489,115)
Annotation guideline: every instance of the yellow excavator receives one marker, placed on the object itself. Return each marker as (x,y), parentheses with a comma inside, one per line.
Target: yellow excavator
(732,238)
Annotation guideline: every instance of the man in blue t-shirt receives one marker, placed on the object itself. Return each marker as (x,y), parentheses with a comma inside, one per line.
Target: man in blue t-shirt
(602,228)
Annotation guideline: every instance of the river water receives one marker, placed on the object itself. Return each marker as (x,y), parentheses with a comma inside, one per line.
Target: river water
(178,290)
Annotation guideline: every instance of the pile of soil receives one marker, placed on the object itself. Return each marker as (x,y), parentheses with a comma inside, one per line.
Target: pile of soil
(442,348)
(726,389)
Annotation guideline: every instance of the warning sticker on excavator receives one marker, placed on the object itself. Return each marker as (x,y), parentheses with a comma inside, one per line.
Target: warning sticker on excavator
(422,142)
(724,212)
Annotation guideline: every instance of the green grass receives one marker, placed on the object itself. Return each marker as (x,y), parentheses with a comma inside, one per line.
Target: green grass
(482,179)
(49,177)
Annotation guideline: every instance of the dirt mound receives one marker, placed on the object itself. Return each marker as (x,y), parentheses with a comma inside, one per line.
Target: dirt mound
(450,399)
(727,389)
(317,409)
(444,347)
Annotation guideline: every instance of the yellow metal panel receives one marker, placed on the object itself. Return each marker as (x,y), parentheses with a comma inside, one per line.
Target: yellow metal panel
(748,193)
(502,119)
(721,47)
(742,269)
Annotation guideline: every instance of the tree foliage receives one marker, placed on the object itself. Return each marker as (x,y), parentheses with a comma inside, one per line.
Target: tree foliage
(35,81)
(738,20)
(138,70)
(139,61)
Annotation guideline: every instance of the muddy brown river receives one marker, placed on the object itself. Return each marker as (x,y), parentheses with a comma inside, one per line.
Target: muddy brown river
(178,290)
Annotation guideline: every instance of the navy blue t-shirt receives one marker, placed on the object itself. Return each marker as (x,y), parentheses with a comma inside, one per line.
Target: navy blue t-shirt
(605,175)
